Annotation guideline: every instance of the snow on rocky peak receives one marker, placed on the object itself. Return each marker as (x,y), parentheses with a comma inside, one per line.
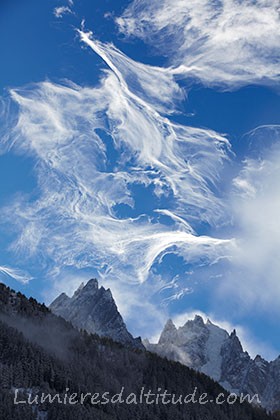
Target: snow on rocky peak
(196,344)
(93,309)
(212,350)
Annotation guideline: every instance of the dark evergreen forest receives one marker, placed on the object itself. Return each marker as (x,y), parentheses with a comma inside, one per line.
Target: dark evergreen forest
(40,352)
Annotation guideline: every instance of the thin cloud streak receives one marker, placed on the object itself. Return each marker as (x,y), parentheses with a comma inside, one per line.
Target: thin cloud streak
(59,12)
(15,274)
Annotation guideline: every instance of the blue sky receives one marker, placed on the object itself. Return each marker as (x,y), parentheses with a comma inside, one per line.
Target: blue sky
(139,143)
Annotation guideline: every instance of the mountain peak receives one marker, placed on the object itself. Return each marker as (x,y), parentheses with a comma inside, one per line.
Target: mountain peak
(91,285)
(80,288)
(198,320)
(93,309)
(211,350)
(233,333)
(60,301)
(170,324)
(169,332)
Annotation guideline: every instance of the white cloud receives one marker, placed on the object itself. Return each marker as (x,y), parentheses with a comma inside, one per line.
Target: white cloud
(152,88)
(226,43)
(16,274)
(254,277)
(73,222)
(60,11)
(69,130)
(187,157)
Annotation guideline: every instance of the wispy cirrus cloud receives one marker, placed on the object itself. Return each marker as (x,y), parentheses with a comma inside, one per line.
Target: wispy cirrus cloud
(190,158)
(227,43)
(93,145)
(16,274)
(71,132)
(60,11)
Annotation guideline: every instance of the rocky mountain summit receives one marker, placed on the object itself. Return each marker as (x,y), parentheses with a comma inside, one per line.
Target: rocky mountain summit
(200,345)
(210,349)
(93,309)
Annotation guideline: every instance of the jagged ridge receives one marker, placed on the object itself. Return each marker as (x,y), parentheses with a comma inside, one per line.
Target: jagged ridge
(93,309)
(211,350)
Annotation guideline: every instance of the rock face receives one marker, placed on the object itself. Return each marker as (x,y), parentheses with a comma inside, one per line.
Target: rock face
(93,309)
(211,350)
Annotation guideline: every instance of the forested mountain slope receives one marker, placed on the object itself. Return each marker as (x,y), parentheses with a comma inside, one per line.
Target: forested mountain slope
(40,352)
